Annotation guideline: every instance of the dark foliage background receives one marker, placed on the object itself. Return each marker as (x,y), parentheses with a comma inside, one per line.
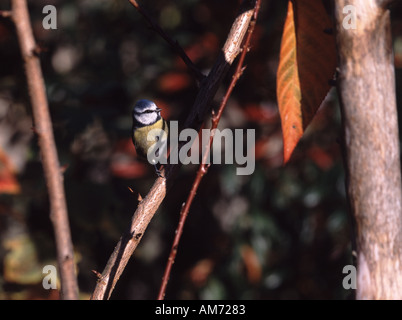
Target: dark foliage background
(281,233)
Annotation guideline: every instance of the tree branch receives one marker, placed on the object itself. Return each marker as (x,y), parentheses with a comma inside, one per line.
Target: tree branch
(147,208)
(203,168)
(174,44)
(51,167)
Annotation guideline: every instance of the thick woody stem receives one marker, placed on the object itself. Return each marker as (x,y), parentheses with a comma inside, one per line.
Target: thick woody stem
(370,121)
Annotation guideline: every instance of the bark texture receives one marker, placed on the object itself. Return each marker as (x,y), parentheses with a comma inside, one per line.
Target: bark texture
(51,165)
(367,91)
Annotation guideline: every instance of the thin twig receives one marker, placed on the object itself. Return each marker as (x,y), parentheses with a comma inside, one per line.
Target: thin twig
(148,206)
(174,44)
(51,167)
(5,13)
(203,168)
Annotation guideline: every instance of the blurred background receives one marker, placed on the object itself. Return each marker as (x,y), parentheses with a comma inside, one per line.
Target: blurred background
(283,232)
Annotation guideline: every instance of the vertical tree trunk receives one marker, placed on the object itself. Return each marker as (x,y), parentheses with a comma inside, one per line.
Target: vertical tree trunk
(367,91)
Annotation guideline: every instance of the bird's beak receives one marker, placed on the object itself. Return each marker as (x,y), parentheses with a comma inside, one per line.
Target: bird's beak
(158,109)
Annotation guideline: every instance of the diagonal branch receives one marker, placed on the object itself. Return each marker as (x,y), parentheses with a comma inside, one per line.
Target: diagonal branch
(174,44)
(51,167)
(148,206)
(203,168)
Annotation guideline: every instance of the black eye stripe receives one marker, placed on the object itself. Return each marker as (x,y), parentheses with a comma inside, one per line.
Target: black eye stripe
(142,112)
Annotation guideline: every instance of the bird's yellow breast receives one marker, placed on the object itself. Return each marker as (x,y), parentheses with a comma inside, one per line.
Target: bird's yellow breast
(144,138)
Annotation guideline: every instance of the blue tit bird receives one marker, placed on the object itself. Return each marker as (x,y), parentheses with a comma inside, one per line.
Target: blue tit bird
(147,141)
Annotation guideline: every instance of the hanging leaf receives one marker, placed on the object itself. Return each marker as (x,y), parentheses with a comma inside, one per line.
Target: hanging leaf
(307,62)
